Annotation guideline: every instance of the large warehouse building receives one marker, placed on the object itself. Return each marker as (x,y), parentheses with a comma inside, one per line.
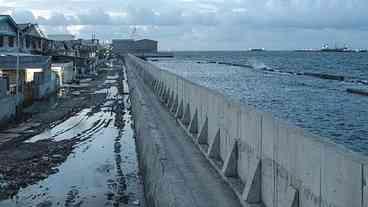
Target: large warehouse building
(123,46)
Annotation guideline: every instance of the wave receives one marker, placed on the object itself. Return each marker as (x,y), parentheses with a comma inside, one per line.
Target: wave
(254,64)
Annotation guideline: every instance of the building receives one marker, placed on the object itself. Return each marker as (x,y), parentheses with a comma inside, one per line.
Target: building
(30,73)
(123,46)
(35,80)
(34,41)
(146,46)
(32,62)
(66,72)
(8,34)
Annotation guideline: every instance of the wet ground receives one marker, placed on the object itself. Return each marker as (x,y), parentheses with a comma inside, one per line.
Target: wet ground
(86,159)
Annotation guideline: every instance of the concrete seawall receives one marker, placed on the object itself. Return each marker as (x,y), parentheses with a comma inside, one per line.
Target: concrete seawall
(266,161)
(174,171)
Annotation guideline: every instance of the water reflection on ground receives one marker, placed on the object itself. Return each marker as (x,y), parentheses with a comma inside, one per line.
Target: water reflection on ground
(102,169)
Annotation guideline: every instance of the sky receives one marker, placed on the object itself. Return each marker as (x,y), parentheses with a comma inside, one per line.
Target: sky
(204,24)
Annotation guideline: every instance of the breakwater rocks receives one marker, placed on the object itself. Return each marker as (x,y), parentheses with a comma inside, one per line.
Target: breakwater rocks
(265,68)
(358,91)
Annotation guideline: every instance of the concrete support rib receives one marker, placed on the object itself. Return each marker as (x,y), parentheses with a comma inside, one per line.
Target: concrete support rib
(157,87)
(162,90)
(203,135)
(186,117)
(167,96)
(174,109)
(180,112)
(171,100)
(291,200)
(252,189)
(214,149)
(230,168)
(154,85)
(193,127)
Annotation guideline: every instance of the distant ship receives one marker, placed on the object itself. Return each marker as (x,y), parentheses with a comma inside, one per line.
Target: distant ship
(325,48)
(257,49)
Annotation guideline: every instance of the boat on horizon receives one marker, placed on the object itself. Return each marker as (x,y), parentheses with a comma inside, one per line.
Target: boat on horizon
(325,48)
(257,49)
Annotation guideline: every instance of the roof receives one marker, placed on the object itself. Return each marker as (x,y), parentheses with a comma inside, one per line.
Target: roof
(10,20)
(32,29)
(122,40)
(16,54)
(23,26)
(61,37)
(146,40)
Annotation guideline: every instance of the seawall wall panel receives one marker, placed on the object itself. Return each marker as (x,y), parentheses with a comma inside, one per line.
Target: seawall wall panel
(277,164)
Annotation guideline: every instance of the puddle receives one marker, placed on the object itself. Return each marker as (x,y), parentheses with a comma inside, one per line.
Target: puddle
(110,81)
(112,77)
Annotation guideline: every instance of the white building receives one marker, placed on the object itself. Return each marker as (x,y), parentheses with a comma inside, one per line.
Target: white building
(65,72)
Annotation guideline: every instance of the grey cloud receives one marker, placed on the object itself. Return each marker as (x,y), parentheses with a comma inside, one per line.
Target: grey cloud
(95,17)
(58,19)
(211,24)
(23,16)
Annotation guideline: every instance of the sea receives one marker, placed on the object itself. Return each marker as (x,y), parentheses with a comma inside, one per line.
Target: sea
(307,89)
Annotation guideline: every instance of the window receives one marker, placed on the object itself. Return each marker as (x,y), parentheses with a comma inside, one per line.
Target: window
(11,41)
(28,42)
(33,44)
(1,41)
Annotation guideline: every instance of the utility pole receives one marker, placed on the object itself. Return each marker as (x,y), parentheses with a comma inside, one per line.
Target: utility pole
(17,72)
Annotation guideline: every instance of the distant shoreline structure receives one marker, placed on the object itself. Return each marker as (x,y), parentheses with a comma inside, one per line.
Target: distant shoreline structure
(325,48)
(256,49)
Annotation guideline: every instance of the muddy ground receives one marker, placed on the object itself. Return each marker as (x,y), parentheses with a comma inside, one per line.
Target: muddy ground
(24,163)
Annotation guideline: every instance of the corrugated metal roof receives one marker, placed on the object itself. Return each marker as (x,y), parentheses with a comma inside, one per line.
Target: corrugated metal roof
(8,18)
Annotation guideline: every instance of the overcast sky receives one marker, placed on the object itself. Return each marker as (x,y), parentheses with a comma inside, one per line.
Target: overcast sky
(204,24)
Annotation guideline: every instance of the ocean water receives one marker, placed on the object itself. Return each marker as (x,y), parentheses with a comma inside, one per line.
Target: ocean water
(308,89)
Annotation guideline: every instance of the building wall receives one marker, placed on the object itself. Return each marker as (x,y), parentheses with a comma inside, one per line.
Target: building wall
(3,87)
(130,46)
(7,108)
(6,28)
(146,46)
(7,31)
(6,47)
(67,71)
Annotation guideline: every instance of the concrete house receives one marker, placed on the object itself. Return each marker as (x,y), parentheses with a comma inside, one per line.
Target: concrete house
(8,44)
(34,71)
(34,41)
(83,53)
(8,34)
(65,71)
